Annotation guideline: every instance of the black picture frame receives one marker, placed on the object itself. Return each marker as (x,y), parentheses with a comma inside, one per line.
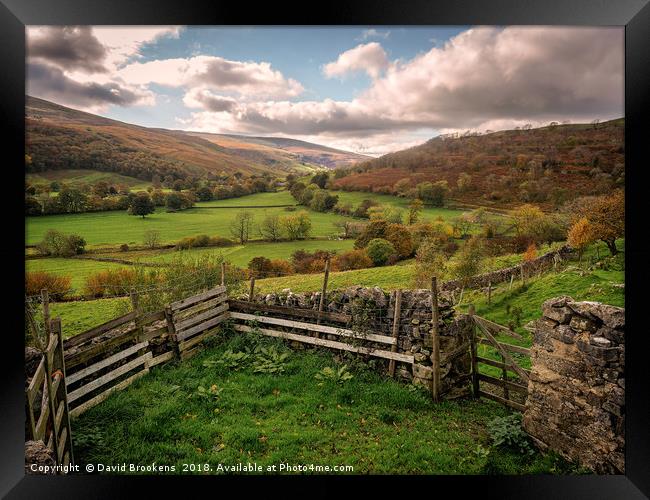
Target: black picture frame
(633,14)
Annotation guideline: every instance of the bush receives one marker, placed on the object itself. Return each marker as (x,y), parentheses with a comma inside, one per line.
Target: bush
(220,241)
(56,286)
(57,244)
(202,240)
(380,250)
(352,259)
(124,247)
(110,282)
(305,262)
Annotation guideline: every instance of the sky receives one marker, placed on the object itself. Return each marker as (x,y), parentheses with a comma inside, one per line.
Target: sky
(366,89)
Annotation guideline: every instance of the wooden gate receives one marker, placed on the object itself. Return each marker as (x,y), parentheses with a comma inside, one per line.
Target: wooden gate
(510,387)
(46,400)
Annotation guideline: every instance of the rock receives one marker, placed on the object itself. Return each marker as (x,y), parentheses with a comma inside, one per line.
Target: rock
(583,323)
(420,371)
(419,357)
(600,342)
(36,452)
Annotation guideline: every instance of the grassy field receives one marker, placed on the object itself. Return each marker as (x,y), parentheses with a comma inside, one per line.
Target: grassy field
(77,269)
(81,315)
(258,199)
(117,227)
(240,255)
(74,177)
(428,213)
(374,424)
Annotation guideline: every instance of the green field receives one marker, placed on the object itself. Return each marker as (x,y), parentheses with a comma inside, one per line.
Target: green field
(241,255)
(117,227)
(81,315)
(77,269)
(372,423)
(74,177)
(428,213)
(258,199)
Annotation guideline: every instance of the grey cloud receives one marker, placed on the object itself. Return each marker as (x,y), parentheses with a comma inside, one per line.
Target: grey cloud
(70,48)
(51,83)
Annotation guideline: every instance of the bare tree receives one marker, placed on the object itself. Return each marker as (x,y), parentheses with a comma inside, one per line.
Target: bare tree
(151,238)
(271,228)
(241,226)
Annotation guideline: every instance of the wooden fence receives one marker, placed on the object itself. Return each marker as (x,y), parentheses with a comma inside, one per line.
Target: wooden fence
(46,402)
(509,390)
(113,355)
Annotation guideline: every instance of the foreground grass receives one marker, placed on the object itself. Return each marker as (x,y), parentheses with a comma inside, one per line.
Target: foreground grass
(372,423)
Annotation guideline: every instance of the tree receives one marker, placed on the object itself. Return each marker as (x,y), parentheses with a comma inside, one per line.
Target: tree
(464,181)
(400,238)
(374,229)
(296,226)
(151,238)
(531,222)
(271,228)
(142,205)
(433,193)
(380,250)
(430,261)
(178,185)
(320,179)
(241,226)
(260,267)
(58,244)
(531,253)
(606,217)
(71,200)
(204,194)
(402,186)
(349,229)
(580,235)
(415,207)
(468,261)
(322,201)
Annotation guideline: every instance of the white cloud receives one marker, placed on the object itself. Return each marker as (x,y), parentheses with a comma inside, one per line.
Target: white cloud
(369,57)
(215,73)
(372,33)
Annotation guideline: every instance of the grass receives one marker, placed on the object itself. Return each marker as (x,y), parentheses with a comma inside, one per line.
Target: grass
(240,255)
(374,424)
(117,227)
(81,315)
(77,269)
(259,199)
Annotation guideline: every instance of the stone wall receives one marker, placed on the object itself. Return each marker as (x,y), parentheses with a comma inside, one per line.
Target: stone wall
(576,395)
(372,312)
(542,263)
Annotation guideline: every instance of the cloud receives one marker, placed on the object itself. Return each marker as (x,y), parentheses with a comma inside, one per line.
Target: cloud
(51,83)
(372,33)
(484,78)
(72,47)
(203,98)
(215,73)
(369,57)
(77,66)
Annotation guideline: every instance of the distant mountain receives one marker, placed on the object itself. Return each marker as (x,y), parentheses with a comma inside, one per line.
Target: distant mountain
(63,138)
(546,165)
(306,153)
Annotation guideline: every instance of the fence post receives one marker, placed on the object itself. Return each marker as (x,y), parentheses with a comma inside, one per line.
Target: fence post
(435,341)
(49,370)
(251,294)
(523,276)
(504,374)
(223,274)
(45,297)
(60,365)
(512,277)
(171,331)
(473,341)
(321,305)
(489,292)
(397,313)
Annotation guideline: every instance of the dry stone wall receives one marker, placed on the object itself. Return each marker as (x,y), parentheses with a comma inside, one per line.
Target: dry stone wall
(372,312)
(540,264)
(576,394)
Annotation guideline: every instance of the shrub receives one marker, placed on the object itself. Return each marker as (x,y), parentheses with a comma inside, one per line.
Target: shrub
(56,286)
(379,250)
(58,244)
(220,241)
(352,259)
(202,240)
(110,282)
(151,238)
(124,247)
(305,262)
(507,432)
(281,267)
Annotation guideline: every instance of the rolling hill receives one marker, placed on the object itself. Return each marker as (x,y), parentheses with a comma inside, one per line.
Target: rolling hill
(61,138)
(546,166)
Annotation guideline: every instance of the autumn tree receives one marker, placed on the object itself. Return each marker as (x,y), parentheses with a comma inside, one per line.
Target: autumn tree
(580,235)
(469,260)
(606,217)
(531,253)
(415,207)
(297,227)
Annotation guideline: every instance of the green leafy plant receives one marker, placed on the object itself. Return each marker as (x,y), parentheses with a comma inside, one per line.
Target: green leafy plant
(231,360)
(507,432)
(89,438)
(340,375)
(269,360)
